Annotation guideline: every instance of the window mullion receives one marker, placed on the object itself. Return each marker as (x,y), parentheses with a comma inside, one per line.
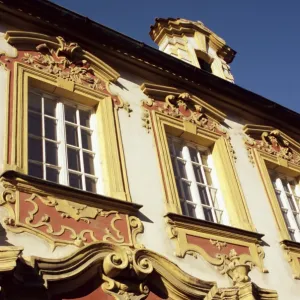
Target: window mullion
(80,149)
(191,177)
(287,207)
(62,149)
(43,139)
(207,187)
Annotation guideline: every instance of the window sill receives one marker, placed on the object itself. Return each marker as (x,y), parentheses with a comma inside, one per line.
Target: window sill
(292,254)
(216,243)
(64,215)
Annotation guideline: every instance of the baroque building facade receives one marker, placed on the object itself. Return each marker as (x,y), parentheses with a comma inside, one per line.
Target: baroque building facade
(134,173)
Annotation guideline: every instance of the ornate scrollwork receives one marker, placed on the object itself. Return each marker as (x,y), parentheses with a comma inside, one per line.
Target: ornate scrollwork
(274,143)
(137,227)
(120,103)
(237,267)
(146,123)
(182,106)
(42,223)
(218,244)
(61,64)
(124,274)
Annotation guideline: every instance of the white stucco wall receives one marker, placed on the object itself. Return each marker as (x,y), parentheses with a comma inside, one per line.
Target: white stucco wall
(147,189)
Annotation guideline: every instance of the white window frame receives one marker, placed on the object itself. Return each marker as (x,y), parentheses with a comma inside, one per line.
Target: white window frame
(62,140)
(196,202)
(286,200)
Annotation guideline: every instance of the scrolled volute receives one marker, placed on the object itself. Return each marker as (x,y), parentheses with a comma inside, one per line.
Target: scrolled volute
(142,266)
(114,263)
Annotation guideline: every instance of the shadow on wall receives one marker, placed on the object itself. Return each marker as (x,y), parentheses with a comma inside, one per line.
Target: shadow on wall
(3,237)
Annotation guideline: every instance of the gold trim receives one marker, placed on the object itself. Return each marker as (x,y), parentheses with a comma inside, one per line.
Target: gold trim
(205,129)
(223,237)
(61,47)
(112,163)
(8,257)
(132,274)
(272,148)
(68,205)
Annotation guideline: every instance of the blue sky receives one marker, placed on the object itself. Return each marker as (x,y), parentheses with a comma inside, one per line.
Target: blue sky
(265,33)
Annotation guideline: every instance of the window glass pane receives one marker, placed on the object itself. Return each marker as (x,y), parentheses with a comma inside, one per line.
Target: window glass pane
(286,219)
(34,102)
(84,118)
(52,175)
(73,159)
(51,153)
(191,210)
(204,158)
(170,144)
(184,208)
(285,185)
(35,170)
(50,129)
(88,160)
(180,190)
(291,202)
(193,154)
(203,195)
(219,214)
(292,235)
(90,184)
(198,174)
(49,107)
(208,214)
(187,190)
(35,149)
(75,180)
(297,219)
(72,136)
(178,149)
(207,172)
(86,138)
(70,114)
(35,124)
(181,167)
(213,197)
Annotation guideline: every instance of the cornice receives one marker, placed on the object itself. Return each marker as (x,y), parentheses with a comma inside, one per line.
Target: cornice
(180,27)
(47,15)
(88,198)
(206,226)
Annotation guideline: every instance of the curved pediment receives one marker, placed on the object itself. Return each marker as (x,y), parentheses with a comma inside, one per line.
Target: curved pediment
(175,99)
(56,52)
(273,141)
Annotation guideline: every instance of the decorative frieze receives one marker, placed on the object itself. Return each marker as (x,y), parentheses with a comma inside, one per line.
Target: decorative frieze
(66,220)
(232,251)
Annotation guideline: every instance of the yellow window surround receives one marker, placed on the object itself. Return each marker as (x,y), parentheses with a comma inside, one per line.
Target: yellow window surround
(66,70)
(171,111)
(271,149)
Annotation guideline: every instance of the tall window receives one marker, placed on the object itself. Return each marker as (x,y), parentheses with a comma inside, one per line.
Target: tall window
(61,141)
(288,198)
(196,182)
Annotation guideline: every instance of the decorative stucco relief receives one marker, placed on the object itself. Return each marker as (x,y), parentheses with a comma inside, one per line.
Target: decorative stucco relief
(184,107)
(227,250)
(63,221)
(273,142)
(125,273)
(66,60)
